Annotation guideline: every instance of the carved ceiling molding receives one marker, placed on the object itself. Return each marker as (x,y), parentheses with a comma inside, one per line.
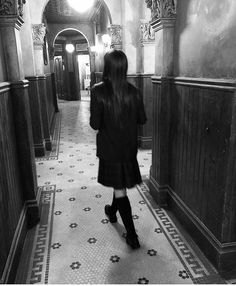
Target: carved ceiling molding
(147,34)
(11,7)
(115,32)
(161,9)
(38,33)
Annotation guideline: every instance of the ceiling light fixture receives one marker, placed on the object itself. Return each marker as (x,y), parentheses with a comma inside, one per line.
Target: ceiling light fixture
(81,5)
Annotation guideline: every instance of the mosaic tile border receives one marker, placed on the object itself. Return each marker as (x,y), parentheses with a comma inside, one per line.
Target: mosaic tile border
(196,269)
(39,263)
(53,155)
(199,271)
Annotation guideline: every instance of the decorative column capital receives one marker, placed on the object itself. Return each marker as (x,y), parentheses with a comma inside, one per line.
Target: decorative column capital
(162,8)
(147,35)
(38,33)
(11,8)
(115,32)
(163,13)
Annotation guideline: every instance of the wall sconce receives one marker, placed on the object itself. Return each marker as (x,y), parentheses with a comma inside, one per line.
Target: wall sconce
(70,48)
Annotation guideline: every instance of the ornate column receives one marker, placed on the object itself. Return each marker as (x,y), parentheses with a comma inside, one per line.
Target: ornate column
(115,32)
(163,21)
(163,13)
(10,24)
(147,68)
(38,34)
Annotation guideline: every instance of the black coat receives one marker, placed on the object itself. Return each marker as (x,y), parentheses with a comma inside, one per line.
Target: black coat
(113,143)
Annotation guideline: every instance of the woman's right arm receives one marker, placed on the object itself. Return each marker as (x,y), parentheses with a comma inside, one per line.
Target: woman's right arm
(95,110)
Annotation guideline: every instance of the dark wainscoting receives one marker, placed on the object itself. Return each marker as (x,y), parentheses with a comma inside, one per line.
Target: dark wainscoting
(44,103)
(194,161)
(144,83)
(36,118)
(18,206)
(51,100)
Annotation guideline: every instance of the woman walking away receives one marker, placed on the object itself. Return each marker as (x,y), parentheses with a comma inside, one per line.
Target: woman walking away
(116,110)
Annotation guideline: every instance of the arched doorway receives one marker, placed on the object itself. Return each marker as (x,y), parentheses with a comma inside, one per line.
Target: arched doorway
(71,64)
(75,71)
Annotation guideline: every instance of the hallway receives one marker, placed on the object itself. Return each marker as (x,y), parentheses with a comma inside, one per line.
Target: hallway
(74,243)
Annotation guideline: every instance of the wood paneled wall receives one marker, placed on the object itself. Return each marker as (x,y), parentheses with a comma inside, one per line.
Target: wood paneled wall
(43,93)
(194,155)
(11,194)
(50,99)
(144,83)
(36,116)
(200,136)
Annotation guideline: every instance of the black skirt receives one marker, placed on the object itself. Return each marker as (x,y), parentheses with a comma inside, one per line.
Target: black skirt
(119,175)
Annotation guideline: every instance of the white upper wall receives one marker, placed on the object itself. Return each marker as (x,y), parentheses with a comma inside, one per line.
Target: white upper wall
(27,43)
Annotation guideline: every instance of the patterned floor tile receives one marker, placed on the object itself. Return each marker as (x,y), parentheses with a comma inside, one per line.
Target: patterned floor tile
(76,244)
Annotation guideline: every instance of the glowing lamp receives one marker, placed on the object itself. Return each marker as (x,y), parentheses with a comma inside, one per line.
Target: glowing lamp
(70,48)
(81,5)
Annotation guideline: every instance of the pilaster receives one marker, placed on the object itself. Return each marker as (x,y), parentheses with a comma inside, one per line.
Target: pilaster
(38,34)
(163,15)
(10,24)
(24,137)
(11,12)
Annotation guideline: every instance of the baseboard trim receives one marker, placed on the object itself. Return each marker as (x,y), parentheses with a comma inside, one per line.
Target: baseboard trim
(32,214)
(10,269)
(158,192)
(222,255)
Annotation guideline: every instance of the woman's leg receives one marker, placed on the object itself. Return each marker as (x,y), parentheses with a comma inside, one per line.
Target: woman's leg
(110,210)
(124,207)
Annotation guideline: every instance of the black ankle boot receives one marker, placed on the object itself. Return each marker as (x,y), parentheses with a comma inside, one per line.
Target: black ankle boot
(133,241)
(124,208)
(109,212)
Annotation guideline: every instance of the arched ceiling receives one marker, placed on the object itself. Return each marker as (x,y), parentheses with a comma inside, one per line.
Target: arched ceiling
(71,34)
(59,11)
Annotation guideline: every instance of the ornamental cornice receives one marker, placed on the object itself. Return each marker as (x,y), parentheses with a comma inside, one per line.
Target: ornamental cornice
(162,9)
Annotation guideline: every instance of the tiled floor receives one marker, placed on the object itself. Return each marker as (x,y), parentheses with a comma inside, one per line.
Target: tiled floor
(75,243)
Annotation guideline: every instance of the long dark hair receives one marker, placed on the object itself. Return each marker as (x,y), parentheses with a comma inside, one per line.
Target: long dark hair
(115,80)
